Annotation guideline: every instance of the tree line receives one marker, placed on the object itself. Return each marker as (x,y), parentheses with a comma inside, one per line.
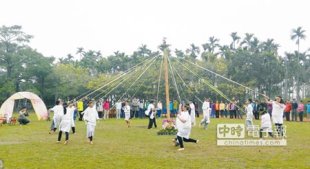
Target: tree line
(246,60)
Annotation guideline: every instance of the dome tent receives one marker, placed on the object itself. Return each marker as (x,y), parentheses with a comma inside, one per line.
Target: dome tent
(37,104)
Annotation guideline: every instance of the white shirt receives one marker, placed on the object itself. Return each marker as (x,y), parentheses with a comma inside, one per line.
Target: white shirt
(118,105)
(277,112)
(149,109)
(127,112)
(100,106)
(90,116)
(141,105)
(193,112)
(69,114)
(249,112)
(58,110)
(192,106)
(205,106)
(159,106)
(266,121)
(184,128)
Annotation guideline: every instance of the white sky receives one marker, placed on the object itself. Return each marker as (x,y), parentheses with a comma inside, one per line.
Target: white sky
(60,26)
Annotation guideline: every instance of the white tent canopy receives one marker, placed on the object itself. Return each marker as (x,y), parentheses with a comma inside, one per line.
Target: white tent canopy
(37,104)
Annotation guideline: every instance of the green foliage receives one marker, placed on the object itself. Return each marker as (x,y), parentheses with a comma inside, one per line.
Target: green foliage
(246,60)
(71,80)
(167,131)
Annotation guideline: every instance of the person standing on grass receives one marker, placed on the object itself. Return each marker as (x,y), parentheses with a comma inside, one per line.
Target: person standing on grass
(249,114)
(222,108)
(141,109)
(152,113)
(90,117)
(58,110)
(217,109)
(300,110)
(135,107)
(159,108)
(118,106)
(99,106)
(193,113)
(238,111)
(308,110)
(294,110)
(127,113)
(233,109)
(80,109)
(255,110)
(72,109)
(278,107)
(287,110)
(206,110)
(106,108)
(183,123)
(266,124)
(66,122)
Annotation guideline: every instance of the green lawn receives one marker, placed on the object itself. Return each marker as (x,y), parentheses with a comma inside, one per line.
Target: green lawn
(116,146)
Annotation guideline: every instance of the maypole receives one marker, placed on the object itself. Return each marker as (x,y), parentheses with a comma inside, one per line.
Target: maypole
(166,53)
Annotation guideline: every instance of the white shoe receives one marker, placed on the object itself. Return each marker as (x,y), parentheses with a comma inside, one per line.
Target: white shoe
(181,149)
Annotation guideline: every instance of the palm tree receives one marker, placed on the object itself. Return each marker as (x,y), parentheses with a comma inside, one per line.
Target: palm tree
(213,43)
(179,53)
(164,45)
(270,46)
(235,39)
(247,40)
(225,51)
(298,34)
(81,52)
(144,51)
(255,45)
(193,51)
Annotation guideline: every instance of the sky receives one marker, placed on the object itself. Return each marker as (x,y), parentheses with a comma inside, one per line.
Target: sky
(59,27)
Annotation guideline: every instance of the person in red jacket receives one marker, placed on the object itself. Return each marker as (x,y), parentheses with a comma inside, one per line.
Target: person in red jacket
(287,110)
(106,109)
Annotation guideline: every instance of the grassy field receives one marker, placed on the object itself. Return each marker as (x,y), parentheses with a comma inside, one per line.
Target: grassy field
(116,146)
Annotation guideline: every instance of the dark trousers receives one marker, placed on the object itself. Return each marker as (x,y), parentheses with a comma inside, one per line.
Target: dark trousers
(261,133)
(81,116)
(279,129)
(197,113)
(141,113)
(151,122)
(181,139)
(217,113)
(233,114)
(301,116)
(60,134)
(256,115)
(222,113)
(287,115)
(100,114)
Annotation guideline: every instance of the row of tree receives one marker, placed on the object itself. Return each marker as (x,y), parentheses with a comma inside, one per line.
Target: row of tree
(246,60)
